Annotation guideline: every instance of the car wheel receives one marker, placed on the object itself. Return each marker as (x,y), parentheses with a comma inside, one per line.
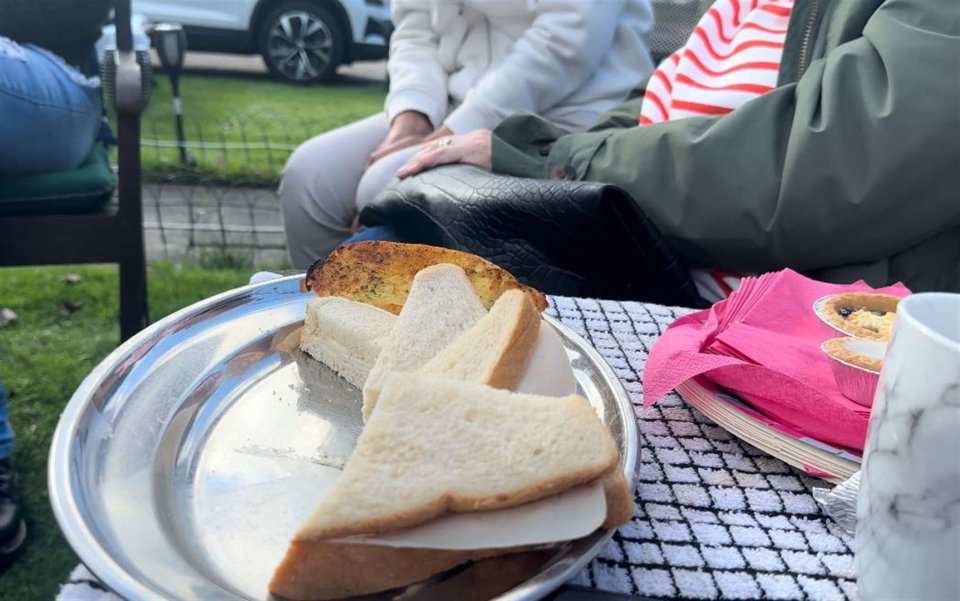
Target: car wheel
(302,42)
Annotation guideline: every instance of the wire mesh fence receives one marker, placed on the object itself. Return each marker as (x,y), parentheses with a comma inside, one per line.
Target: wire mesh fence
(213,223)
(220,206)
(251,155)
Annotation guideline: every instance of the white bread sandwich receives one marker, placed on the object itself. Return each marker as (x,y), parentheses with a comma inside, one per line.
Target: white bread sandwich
(345,335)
(497,349)
(441,306)
(437,449)
(348,337)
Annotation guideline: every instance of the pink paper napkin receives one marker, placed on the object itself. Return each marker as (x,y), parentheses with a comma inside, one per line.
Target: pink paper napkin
(763,343)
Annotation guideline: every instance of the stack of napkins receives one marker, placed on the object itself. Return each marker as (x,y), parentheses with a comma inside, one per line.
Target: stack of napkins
(763,343)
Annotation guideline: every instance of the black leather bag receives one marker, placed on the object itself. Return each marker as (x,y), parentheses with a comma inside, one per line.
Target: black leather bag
(566,238)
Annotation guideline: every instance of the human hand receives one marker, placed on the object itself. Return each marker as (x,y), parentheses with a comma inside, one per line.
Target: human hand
(471,149)
(409,128)
(441,132)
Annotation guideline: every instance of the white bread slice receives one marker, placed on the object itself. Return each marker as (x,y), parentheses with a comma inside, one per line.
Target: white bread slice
(569,515)
(442,444)
(486,449)
(441,306)
(345,335)
(496,351)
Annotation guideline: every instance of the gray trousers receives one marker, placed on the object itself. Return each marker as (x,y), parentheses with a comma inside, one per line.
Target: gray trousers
(324,186)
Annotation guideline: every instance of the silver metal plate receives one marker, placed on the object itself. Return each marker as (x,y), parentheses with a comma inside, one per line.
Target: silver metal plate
(187,458)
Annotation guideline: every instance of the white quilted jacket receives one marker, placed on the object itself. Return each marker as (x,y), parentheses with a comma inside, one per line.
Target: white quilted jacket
(470,64)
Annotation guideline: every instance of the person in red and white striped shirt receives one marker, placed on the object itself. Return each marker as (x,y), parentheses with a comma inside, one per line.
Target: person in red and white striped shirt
(731,58)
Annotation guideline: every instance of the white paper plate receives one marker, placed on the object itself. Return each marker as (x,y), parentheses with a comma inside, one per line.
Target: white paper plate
(815,457)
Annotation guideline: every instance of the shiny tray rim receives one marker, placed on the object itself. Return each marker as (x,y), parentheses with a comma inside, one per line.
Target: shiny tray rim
(96,558)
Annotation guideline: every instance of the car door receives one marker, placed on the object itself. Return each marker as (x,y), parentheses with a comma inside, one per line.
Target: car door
(218,14)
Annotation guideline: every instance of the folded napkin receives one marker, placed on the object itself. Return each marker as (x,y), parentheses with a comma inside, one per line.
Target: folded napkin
(763,343)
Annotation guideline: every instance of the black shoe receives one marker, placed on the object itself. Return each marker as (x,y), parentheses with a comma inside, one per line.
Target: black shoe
(13,530)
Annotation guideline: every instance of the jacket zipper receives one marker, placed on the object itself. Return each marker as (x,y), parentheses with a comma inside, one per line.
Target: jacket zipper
(807,33)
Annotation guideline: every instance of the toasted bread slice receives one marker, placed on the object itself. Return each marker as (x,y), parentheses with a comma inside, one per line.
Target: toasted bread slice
(442,306)
(381,273)
(494,352)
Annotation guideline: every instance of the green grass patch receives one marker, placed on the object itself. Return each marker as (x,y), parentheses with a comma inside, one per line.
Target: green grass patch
(224,112)
(44,357)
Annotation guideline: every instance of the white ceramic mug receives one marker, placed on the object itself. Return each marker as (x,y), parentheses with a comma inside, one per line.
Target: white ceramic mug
(908,509)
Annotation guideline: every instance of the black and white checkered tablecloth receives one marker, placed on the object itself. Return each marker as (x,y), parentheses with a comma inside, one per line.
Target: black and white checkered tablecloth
(716,518)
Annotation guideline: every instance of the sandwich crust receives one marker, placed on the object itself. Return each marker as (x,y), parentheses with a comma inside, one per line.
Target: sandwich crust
(322,569)
(381,273)
(319,569)
(497,349)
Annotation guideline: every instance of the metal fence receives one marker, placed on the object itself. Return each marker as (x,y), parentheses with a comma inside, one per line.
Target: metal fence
(211,222)
(220,208)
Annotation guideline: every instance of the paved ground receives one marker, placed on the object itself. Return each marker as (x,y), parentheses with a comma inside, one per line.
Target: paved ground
(196,222)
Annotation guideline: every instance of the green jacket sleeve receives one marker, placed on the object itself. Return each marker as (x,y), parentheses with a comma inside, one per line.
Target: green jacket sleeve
(523,143)
(858,160)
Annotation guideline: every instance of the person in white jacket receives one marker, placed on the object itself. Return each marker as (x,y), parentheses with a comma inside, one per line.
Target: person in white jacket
(455,67)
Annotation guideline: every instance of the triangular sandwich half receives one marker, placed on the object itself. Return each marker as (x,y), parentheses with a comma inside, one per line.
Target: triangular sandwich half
(441,306)
(345,335)
(436,447)
(497,349)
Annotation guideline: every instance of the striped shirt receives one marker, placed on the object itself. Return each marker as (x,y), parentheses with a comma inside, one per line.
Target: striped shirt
(732,56)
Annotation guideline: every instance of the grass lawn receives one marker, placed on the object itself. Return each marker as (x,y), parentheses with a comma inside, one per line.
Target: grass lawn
(43,358)
(220,111)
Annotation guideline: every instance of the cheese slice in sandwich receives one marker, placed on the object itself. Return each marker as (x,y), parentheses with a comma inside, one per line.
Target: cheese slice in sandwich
(345,335)
(441,306)
(436,447)
(548,371)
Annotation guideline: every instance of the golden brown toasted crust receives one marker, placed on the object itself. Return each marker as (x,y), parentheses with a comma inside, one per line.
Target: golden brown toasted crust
(315,570)
(321,569)
(862,314)
(513,363)
(381,273)
(620,506)
(836,348)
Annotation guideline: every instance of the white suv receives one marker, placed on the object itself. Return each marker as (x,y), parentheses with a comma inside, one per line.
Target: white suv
(300,40)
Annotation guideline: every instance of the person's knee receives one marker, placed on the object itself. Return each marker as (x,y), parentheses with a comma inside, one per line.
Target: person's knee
(297,180)
(312,186)
(49,112)
(382,174)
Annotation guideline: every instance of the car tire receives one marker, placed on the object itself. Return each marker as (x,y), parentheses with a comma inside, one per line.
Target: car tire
(302,42)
